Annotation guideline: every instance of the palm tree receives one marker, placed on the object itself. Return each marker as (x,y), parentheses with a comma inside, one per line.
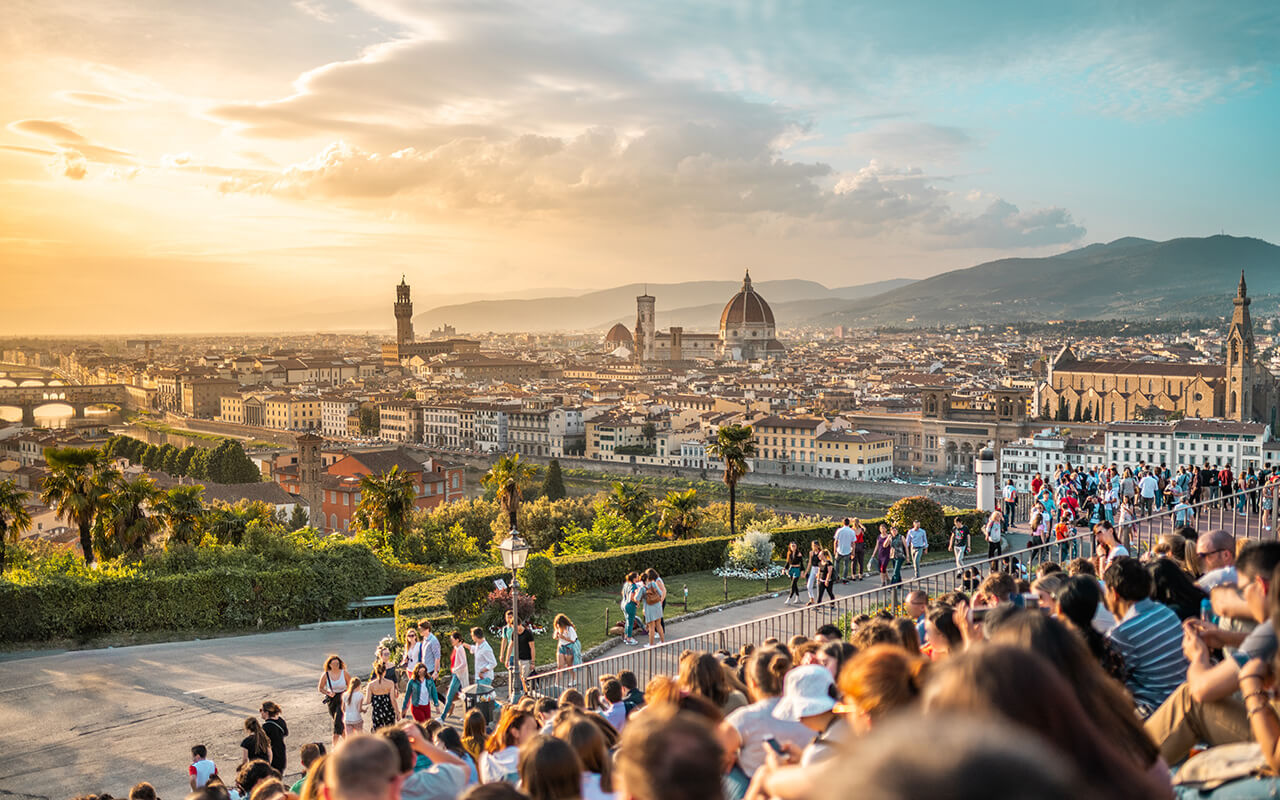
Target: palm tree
(229,523)
(180,509)
(14,517)
(510,477)
(386,504)
(733,445)
(77,487)
(629,501)
(124,523)
(680,514)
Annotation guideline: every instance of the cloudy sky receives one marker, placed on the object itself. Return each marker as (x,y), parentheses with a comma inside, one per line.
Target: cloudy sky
(259,164)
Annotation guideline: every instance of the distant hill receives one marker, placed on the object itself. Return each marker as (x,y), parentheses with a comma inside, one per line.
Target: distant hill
(695,304)
(1129,278)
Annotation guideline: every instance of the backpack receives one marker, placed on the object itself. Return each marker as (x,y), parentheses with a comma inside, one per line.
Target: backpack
(651,595)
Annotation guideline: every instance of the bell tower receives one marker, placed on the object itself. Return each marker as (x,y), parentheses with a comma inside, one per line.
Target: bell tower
(404,314)
(1240,358)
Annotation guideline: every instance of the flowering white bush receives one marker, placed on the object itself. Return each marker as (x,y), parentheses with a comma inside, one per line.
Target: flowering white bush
(754,551)
(772,571)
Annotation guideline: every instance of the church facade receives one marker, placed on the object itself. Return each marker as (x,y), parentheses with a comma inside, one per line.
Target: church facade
(1241,389)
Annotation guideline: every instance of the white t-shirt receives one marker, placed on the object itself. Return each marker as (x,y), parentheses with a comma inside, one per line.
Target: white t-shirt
(352,706)
(1119,551)
(755,723)
(1149,486)
(845,538)
(500,766)
(591,788)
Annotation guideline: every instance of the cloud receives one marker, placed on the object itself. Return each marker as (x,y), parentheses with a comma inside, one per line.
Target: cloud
(73,151)
(913,142)
(92,99)
(52,130)
(313,9)
(70,164)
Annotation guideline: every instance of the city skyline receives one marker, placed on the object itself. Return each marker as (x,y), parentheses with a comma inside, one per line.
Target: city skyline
(306,154)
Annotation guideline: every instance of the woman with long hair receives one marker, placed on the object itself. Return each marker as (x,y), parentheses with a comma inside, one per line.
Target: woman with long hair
(1174,588)
(584,736)
(382,697)
(897,552)
(1103,698)
(568,648)
(883,554)
(630,605)
(826,575)
(652,592)
(474,733)
(701,674)
(795,568)
(550,769)
(879,681)
(859,549)
(353,704)
(274,726)
(500,760)
(994,532)
(333,682)
(449,739)
(749,727)
(383,657)
(811,575)
(255,746)
(996,680)
(1076,604)
(417,695)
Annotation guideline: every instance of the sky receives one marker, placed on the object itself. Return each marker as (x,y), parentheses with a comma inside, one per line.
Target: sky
(269,165)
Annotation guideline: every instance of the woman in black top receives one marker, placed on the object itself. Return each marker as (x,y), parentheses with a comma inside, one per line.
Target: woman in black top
(811,583)
(256,745)
(274,726)
(826,576)
(795,568)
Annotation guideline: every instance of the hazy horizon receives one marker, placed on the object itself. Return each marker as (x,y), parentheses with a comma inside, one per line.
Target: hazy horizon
(184,168)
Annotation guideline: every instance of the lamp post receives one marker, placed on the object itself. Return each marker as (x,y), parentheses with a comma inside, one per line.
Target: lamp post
(514,553)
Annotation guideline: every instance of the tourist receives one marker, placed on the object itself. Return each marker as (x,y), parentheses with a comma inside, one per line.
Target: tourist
(474,733)
(1068,545)
(652,574)
(959,542)
(878,682)
(383,657)
(417,695)
(632,694)
(412,650)
(826,576)
(449,739)
(430,656)
(702,675)
(653,594)
(918,541)
(353,704)
(568,648)
(459,672)
(382,698)
(1147,634)
(363,768)
(251,774)
(1216,553)
(942,636)
(1107,547)
(795,570)
(202,768)
(1173,587)
(333,683)
(997,680)
(549,769)
(143,791)
(883,554)
(665,754)
(525,651)
(255,746)
(630,604)
(588,743)
(994,532)
(614,710)
(486,661)
(310,753)
(750,727)
(274,726)
(859,549)
(1148,488)
(809,697)
(811,571)
(500,760)
(507,655)
(898,553)
(842,545)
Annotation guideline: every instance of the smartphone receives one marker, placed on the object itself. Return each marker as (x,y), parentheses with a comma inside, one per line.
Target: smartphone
(776,746)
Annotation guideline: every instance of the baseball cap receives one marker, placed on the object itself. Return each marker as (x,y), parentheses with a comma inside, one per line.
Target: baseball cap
(808,691)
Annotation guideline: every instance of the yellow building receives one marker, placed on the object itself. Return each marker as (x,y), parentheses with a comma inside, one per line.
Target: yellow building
(856,455)
(606,434)
(289,412)
(789,442)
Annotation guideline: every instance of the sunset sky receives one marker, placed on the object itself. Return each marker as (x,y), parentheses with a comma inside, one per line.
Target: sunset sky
(248,164)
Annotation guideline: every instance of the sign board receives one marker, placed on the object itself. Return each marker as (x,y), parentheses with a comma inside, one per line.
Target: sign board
(501,584)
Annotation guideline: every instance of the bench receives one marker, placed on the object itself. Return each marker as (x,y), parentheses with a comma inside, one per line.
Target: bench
(376,601)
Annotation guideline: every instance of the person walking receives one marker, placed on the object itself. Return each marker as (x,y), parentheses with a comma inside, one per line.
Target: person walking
(507,655)
(274,726)
(994,530)
(430,657)
(898,553)
(418,699)
(859,550)
(353,705)
(826,576)
(382,698)
(459,672)
(1010,494)
(486,661)
(883,554)
(842,544)
(333,682)
(959,544)
(568,648)
(811,578)
(653,595)
(630,604)
(918,541)
(795,569)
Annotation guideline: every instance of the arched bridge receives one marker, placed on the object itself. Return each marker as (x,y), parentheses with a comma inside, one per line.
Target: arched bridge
(29,398)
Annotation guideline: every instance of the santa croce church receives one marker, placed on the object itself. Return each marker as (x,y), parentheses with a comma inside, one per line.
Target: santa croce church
(1242,389)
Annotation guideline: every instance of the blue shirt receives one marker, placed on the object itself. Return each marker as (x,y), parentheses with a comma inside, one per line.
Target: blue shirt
(1150,640)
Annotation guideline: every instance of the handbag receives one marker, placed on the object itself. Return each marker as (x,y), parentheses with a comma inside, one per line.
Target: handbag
(1222,764)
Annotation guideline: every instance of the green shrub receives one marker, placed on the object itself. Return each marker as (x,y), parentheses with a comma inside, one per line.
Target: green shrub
(538,578)
(753,550)
(929,512)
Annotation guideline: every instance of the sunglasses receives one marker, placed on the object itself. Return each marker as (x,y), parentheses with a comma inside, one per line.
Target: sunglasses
(1211,552)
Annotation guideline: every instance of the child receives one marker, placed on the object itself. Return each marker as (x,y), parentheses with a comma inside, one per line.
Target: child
(202,769)
(1061,532)
(352,706)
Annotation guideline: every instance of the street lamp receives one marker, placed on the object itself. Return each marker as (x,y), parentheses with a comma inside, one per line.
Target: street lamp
(514,553)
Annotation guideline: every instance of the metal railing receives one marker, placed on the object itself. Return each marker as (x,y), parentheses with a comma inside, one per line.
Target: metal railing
(1140,535)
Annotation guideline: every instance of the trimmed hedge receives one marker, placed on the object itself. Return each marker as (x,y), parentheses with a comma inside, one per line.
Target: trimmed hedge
(460,595)
(227,598)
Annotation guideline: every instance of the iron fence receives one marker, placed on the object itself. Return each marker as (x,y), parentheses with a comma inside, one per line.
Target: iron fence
(1251,521)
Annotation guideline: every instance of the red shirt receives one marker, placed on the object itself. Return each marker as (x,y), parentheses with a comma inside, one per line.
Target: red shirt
(1036,485)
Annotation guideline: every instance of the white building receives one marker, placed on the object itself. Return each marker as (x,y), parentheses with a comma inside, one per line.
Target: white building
(442,427)
(1043,453)
(491,428)
(333,415)
(546,431)
(1188,442)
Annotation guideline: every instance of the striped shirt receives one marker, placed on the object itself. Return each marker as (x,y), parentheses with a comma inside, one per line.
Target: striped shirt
(1150,640)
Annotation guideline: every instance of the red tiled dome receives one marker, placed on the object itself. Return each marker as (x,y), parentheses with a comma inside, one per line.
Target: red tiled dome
(619,334)
(746,307)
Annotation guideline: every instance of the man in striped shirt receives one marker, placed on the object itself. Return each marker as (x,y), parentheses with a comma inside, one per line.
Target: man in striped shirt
(1148,635)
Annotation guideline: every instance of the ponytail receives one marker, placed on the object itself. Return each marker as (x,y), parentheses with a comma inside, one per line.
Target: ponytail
(260,741)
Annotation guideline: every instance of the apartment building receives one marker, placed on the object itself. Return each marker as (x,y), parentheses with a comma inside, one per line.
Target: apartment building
(1189,442)
(291,412)
(400,421)
(789,445)
(855,455)
(553,432)
(1044,452)
(335,413)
